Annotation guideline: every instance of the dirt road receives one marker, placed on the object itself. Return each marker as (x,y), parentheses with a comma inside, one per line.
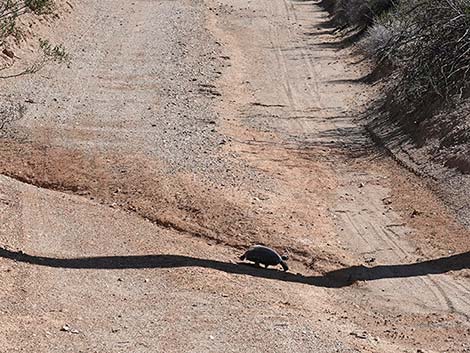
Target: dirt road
(181,133)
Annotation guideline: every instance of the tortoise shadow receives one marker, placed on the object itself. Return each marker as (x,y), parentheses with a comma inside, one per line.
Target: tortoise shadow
(333,279)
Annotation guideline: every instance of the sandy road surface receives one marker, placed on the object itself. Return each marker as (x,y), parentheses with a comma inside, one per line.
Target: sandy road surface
(189,130)
(382,218)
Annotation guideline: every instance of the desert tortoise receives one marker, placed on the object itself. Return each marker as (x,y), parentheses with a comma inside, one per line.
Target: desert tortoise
(260,254)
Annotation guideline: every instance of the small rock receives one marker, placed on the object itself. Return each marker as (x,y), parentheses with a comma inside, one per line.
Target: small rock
(67,328)
(8,53)
(361,335)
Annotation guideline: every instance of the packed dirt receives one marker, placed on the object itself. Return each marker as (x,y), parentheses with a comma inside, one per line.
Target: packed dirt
(181,133)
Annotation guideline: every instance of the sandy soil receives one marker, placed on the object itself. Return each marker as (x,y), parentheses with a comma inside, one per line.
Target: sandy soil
(181,133)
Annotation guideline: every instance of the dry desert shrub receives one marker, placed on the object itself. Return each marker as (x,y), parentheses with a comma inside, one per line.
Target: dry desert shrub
(360,13)
(428,43)
(423,44)
(10,10)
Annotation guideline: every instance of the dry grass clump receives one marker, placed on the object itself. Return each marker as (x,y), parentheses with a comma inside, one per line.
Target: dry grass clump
(358,13)
(428,43)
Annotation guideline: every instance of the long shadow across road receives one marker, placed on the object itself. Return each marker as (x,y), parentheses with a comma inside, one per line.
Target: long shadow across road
(334,279)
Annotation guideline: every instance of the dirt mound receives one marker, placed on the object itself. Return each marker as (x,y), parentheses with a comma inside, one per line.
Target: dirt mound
(182,201)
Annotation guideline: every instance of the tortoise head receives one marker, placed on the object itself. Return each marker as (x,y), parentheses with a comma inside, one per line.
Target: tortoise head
(285,257)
